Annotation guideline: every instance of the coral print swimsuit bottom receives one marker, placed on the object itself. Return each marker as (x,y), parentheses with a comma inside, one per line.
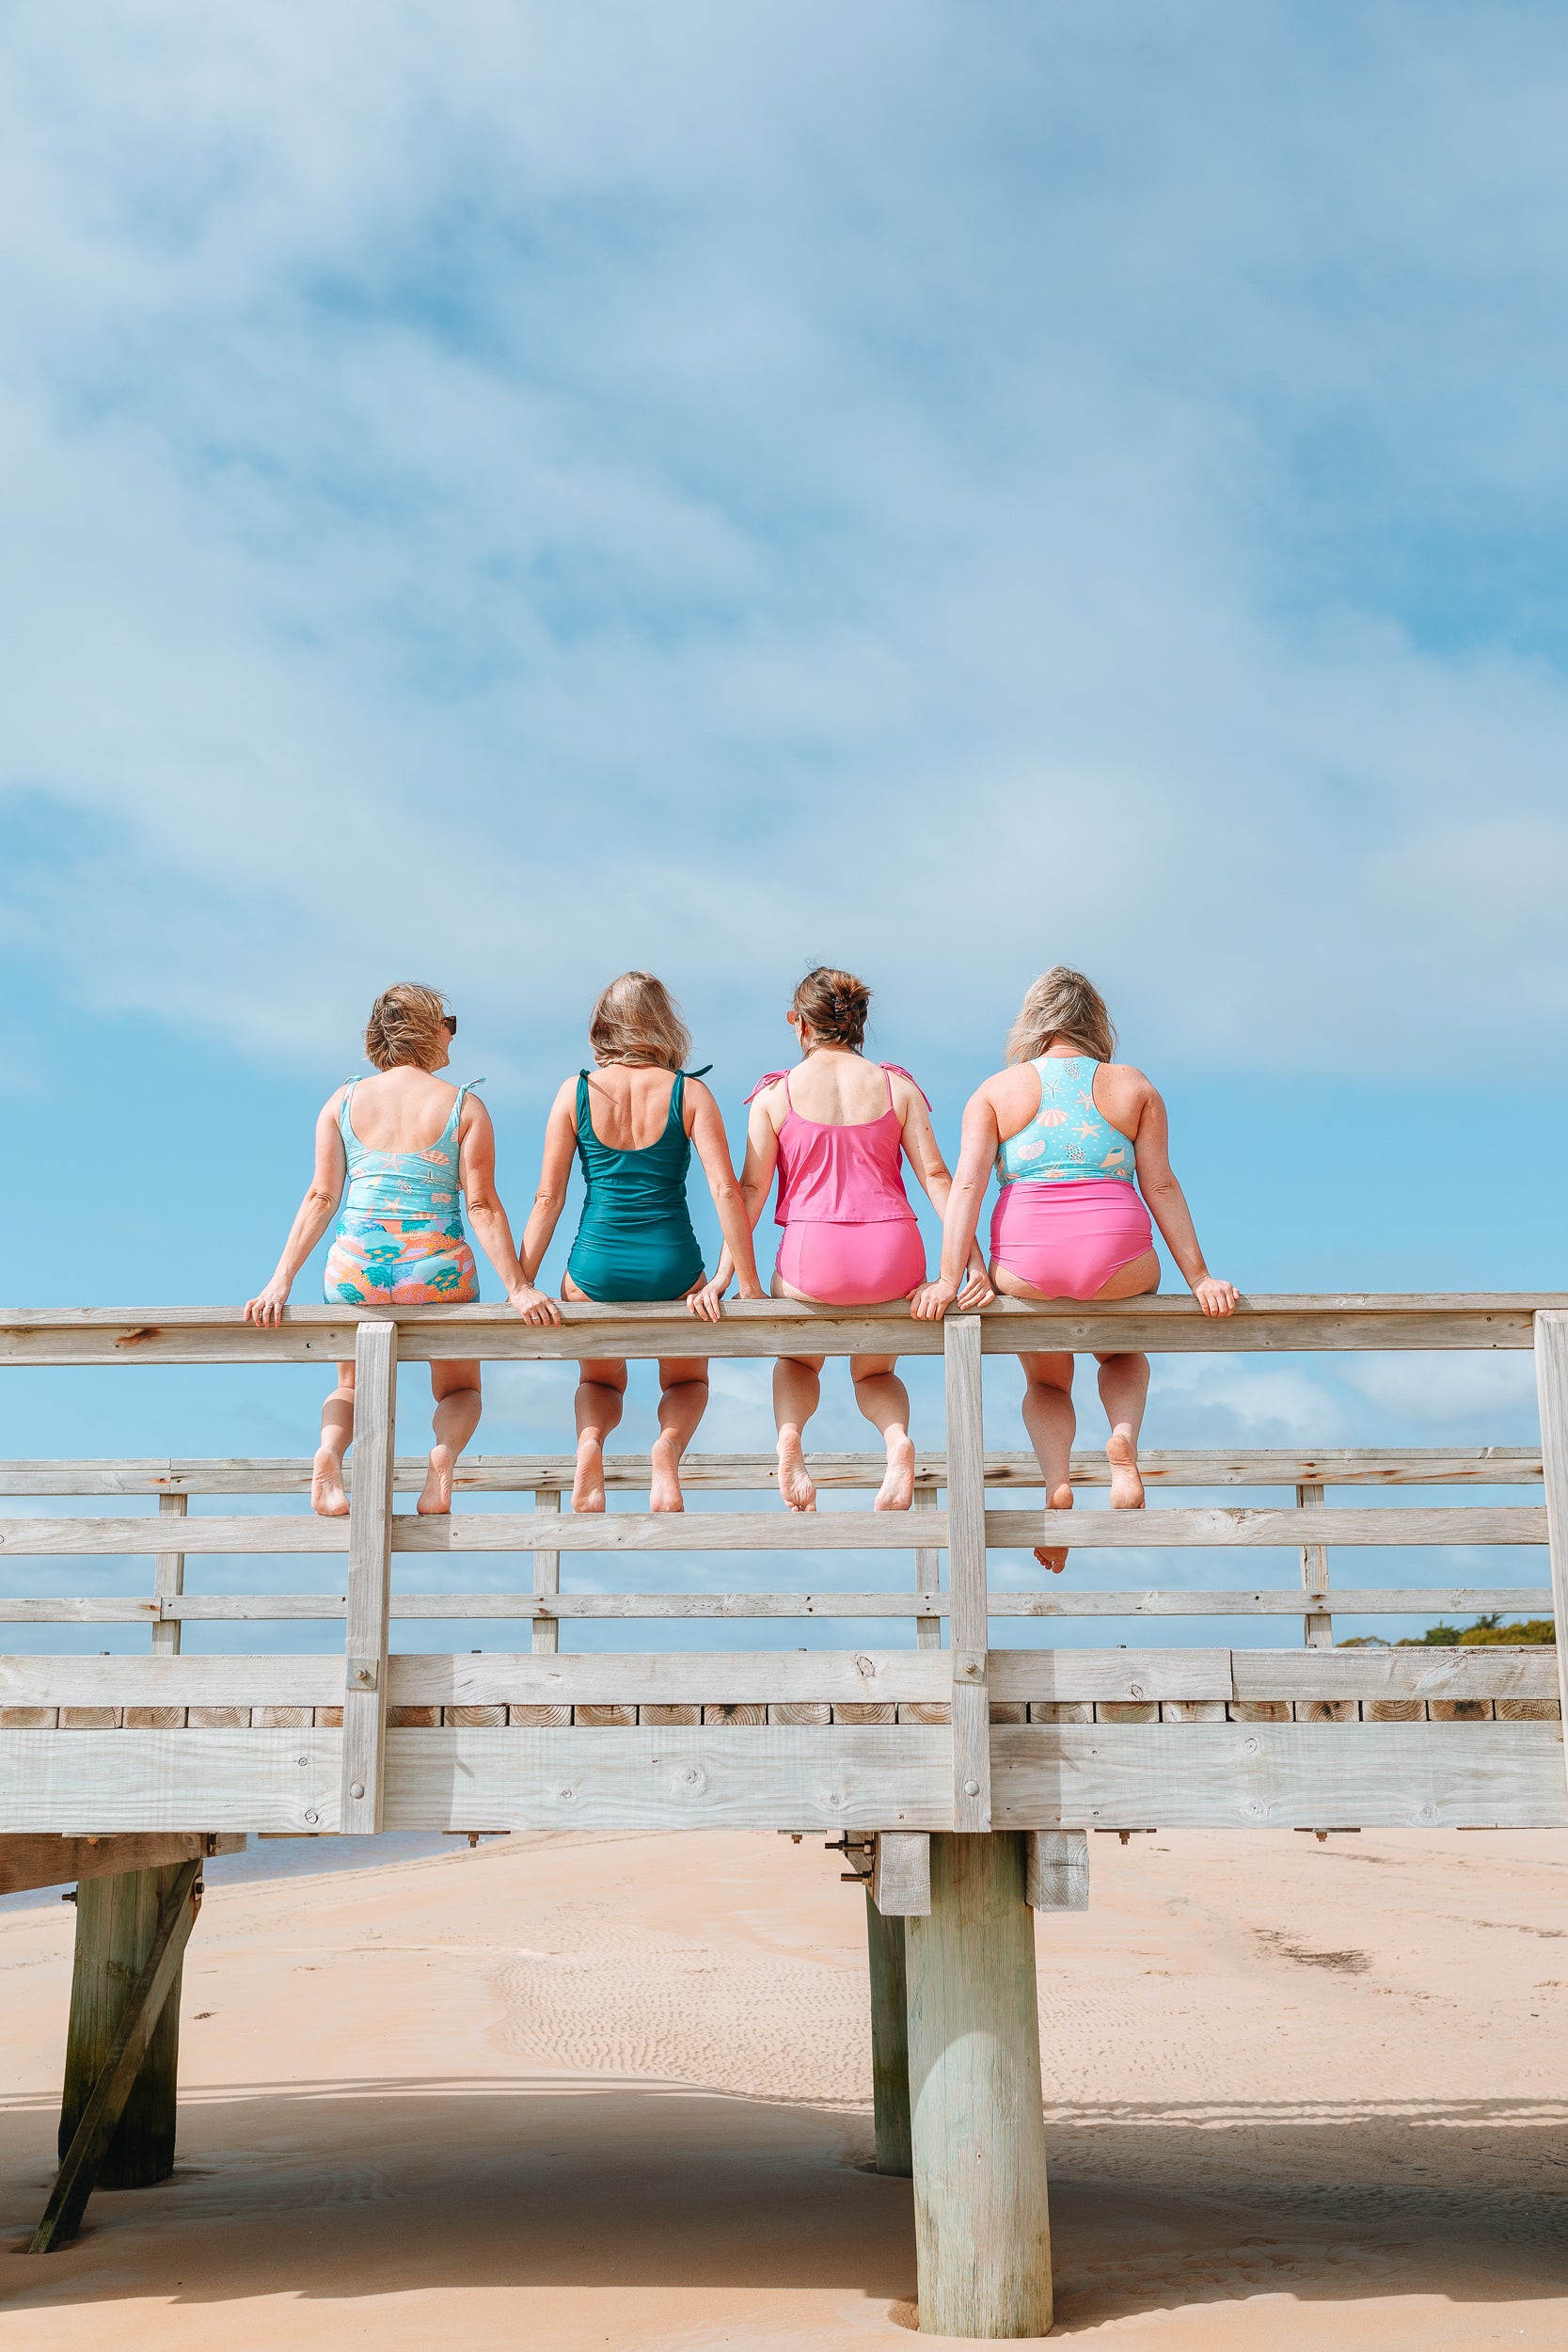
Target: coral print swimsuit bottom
(1068,1216)
(400,1239)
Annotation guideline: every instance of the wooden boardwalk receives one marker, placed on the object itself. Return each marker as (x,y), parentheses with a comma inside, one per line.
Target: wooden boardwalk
(965,1780)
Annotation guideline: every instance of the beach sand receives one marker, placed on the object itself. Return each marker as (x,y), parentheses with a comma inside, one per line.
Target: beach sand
(612,2091)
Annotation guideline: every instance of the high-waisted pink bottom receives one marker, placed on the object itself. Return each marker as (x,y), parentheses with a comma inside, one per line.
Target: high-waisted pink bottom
(1065,1241)
(853,1265)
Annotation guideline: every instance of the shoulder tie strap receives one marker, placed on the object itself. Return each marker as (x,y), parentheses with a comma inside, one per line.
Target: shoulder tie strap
(899,1071)
(770,1078)
(695,1074)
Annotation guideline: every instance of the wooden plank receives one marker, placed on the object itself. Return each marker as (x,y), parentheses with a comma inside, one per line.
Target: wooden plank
(890,2041)
(968,1623)
(1483,1672)
(170,1682)
(1551,1380)
(982,2236)
(1318,1624)
(547,1579)
(96,1782)
(369,1578)
(901,1873)
(518,1473)
(1375,1775)
(1225,1529)
(762,1777)
(1056,1869)
(32,1862)
(129,2054)
(927,1571)
(169,1579)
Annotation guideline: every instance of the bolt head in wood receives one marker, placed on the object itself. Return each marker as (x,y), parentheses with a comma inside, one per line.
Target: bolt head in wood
(971,1787)
(356,1789)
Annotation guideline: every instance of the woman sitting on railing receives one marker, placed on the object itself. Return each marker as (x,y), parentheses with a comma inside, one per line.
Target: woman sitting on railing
(409,1143)
(632,1124)
(1074,1138)
(837,1131)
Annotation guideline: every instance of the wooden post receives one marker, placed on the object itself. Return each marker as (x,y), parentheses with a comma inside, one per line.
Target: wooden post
(116,1922)
(890,2040)
(369,1578)
(978,2129)
(109,2128)
(1551,1381)
(168,1578)
(1317,1627)
(547,1579)
(927,1577)
(966,1573)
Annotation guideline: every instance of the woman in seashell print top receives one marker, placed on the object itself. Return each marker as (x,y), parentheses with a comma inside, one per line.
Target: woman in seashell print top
(1075,1138)
(410,1146)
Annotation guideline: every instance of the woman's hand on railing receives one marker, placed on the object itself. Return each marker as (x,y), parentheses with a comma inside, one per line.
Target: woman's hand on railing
(1215,1297)
(268,1305)
(706,1301)
(532,1305)
(978,1290)
(930,1301)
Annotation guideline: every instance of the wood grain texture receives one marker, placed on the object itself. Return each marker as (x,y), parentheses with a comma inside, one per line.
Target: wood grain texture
(32,1862)
(1056,1869)
(118,1920)
(966,1522)
(168,1578)
(901,1873)
(890,2040)
(369,1578)
(977,2132)
(98,1782)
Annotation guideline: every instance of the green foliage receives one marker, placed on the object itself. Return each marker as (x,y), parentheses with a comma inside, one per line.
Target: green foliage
(1488,1631)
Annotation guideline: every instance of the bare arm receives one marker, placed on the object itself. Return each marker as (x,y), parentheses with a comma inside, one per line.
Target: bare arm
(315,1214)
(713,1149)
(476,1173)
(977,1148)
(561,1139)
(924,1154)
(1168,1205)
(756,1183)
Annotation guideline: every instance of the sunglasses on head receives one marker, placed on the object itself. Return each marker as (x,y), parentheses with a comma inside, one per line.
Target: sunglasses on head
(449,1021)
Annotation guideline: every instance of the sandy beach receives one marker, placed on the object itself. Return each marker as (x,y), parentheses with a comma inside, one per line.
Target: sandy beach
(614,2091)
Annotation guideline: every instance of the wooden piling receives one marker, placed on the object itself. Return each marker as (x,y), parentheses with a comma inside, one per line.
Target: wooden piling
(890,2040)
(117,1919)
(977,2131)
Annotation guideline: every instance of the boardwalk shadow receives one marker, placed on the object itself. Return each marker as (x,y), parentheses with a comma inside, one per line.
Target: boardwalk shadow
(358,2191)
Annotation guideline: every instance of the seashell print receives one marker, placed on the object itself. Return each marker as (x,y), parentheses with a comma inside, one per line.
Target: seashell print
(1053,1118)
(1028,1151)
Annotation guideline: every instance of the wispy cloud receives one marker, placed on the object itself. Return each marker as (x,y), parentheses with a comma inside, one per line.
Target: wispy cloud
(513,492)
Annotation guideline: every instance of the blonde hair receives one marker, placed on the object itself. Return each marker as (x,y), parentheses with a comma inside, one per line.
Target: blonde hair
(1062,1004)
(833,1005)
(407,1024)
(637,1020)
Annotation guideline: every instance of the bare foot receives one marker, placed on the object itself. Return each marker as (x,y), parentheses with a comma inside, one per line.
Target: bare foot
(664,1488)
(1127,1487)
(327,1498)
(795,1483)
(897,1491)
(588,1486)
(436,1500)
(1061,1500)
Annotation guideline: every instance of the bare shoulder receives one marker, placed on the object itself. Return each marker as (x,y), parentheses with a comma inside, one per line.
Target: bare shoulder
(906,1094)
(333,1106)
(1005,1092)
(700,1098)
(1124,1092)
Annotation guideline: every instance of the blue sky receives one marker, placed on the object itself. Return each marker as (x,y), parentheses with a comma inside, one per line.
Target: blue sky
(501,495)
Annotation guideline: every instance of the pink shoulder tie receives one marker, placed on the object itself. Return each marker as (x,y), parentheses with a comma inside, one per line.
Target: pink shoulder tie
(899,1071)
(772,1079)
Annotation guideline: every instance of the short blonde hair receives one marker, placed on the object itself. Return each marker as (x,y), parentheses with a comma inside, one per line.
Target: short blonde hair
(1062,1004)
(407,1024)
(637,1020)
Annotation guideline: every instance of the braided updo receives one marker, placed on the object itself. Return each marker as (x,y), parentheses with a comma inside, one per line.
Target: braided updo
(833,1006)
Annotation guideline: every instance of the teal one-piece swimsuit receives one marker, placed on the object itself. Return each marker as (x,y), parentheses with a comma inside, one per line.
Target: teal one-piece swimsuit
(636,1239)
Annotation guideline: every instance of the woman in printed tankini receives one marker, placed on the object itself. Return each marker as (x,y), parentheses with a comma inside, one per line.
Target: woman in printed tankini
(410,1146)
(1080,1147)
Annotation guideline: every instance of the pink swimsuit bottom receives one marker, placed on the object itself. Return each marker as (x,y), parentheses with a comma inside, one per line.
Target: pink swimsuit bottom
(1067,1240)
(852,1266)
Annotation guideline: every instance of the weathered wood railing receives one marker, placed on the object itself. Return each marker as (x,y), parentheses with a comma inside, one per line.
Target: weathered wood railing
(164,1752)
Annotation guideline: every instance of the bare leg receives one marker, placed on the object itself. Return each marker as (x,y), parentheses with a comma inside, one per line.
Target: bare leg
(1049,1417)
(885,1402)
(797,1394)
(682,1403)
(327,1471)
(601,1399)
(458,1404)
(1124,1391)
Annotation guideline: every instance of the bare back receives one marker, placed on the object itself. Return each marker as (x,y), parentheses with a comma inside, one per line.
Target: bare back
(838,1089)
(630,1107)
(402,1109)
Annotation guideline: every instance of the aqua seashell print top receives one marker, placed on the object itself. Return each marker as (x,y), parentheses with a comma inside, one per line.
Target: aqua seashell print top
(1068,1141)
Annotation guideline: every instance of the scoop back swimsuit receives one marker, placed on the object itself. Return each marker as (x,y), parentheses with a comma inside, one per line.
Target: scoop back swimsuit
(400,1236)
(1069,1215)
(635,1240)
(849,1236)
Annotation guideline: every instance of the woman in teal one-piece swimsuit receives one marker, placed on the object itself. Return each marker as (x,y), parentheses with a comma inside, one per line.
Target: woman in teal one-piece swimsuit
(632,1124)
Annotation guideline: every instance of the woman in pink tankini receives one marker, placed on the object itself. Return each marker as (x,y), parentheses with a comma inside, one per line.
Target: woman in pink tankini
(837,1131)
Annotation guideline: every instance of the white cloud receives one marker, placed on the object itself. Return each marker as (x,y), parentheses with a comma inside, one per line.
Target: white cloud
(510,494)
